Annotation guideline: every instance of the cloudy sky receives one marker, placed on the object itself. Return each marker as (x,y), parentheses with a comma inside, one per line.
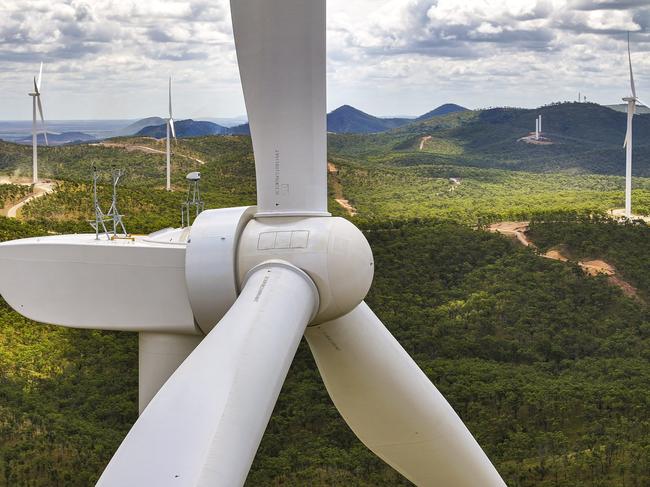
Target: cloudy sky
(110,58)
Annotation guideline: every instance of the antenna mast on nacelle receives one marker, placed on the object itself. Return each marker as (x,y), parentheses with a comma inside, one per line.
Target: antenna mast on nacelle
(193,199)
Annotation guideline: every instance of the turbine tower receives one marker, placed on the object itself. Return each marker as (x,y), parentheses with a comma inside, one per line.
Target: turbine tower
(537,128)
(631,109)
(36,102)
(539,124)
(170,129)
(265,276)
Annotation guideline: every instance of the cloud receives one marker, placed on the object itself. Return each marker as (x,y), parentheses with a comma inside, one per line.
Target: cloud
(380,52)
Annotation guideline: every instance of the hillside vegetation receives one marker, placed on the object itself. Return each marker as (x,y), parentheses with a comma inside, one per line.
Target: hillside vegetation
(548,367)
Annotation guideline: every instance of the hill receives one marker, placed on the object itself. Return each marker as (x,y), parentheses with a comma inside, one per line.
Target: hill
(135,127)
(58,139)
(347,119)
(580,138)
(445,109)
(184,128)
(622,107)
(513,340)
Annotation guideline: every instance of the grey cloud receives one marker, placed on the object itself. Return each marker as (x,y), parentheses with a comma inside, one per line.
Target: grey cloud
(608,4)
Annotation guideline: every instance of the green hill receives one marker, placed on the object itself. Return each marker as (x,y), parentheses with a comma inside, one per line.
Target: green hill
(581,138)
(445,109)
(547,365)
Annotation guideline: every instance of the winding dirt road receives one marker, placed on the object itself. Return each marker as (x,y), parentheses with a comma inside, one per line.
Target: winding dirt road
(39,189)
(145,149)
(517,230)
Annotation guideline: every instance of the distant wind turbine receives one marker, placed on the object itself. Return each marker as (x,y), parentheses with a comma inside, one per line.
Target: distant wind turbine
(631,108)
(36,101)
(539,124)
(170,130)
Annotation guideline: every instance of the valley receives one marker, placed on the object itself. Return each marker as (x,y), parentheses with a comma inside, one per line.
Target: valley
(547,364)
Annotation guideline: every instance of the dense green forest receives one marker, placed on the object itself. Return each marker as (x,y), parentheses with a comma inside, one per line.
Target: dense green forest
(547,366)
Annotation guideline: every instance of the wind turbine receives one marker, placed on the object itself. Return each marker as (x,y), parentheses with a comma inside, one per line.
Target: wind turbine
(36,101)
(265,276)
(631,109)
(170,128)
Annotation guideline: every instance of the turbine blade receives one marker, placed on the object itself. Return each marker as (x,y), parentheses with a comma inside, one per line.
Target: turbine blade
(40,111)
(206,422)
(170,97)
(36,86)
(40,75)
(629,57)
(630,117)
(281,54)
(641,103)
(393,407)
(171,126)
(64,280)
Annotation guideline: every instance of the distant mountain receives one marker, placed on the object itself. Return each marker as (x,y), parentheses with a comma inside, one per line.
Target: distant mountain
(347,119)
(227,121)
(242,129)
(445,109)
(184,128)
(58,139)
(350,120)
(135,127)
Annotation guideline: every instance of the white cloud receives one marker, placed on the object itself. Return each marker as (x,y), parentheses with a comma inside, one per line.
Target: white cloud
(110,58)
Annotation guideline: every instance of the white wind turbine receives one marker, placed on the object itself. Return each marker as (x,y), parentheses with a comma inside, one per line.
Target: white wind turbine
(231,301)
(631,109)
(36,102)
(170,129)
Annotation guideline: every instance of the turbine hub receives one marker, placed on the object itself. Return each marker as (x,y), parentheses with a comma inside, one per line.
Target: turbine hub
(331,251)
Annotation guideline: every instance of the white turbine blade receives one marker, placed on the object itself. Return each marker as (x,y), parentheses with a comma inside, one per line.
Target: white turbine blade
(630,116)
(629,57)
(393,407)
(40,75)
(171,126)
(40,111)
(641,103)
(170,97)
(80,282)
(281,53)
(205,424)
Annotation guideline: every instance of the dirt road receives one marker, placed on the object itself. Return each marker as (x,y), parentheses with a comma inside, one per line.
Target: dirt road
(333,171)
(39,189)
(423,141)
(595,267)
(145,149)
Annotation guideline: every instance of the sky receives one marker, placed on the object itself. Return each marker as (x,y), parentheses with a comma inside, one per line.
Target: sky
(110,59)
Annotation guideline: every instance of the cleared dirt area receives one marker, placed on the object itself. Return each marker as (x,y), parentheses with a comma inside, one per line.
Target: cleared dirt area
(530,139)
(423,141)
(620,213)
(517,230)
(333,171)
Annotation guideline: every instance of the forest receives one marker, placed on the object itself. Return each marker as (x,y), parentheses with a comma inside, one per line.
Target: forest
(547,366)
